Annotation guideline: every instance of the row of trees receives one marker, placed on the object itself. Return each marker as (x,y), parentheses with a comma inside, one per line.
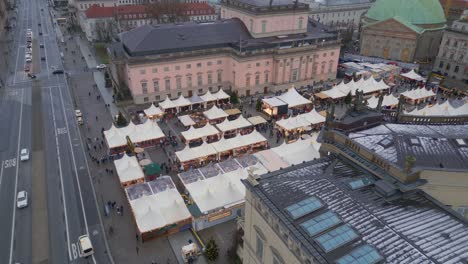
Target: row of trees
(167,11)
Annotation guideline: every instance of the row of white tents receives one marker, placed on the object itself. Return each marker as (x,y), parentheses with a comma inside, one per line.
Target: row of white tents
(195,99)
(342,89)
(454,108)
(117,137)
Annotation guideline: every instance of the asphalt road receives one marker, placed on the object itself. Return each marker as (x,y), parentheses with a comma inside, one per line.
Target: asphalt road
(39,115)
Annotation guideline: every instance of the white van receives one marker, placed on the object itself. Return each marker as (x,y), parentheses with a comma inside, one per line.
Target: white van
(85,246)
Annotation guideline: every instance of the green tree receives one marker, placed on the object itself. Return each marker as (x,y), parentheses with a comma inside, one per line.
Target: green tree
(121,121)
(348,98)
(258,106)
(212,250)
(234,97)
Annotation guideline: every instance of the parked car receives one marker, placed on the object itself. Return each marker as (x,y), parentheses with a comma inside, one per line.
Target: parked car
(27,68)
(32,76)
(22,199)
(41,46)
(57,72)
(24,154)
(101,66)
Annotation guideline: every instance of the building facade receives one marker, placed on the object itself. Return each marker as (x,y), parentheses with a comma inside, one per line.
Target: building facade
(101,23)
(255,48)
(452,60)
(403,30)
(341,15)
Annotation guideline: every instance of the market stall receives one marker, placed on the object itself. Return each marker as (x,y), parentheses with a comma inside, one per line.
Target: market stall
(186,120)
(273,106)
(128,170)
(208,99)
(206,133)
(196,156)
(419,95)
(294,99)
(221,97)
(453,108)
(154,112)
(158,208)
(231,128)
(389,101)
(257,120)
(412,75)
(233,113)
(152,171)
(215,115)
(182,104)
(196,102)
(241,144)
(168,106)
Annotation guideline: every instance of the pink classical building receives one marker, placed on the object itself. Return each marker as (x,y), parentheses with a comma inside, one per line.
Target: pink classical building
(257,47)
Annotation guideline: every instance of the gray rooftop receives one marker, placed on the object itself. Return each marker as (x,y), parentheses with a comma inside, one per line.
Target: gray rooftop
(342,2)
(167,38)
(433,146)
(411,228)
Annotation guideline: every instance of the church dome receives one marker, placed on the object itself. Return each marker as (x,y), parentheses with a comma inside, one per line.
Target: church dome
(417,12)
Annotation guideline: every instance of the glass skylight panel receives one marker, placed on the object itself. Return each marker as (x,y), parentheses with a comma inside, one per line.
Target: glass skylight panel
(304,207)
(320,223)
(365,254)
(359,183)
(336,238)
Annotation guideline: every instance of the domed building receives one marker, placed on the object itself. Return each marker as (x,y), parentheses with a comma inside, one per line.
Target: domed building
(403,30)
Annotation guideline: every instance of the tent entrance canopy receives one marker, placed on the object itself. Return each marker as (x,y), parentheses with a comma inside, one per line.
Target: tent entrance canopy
(274,106)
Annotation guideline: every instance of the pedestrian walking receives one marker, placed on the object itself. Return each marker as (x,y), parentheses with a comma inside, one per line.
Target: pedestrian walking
(137,249)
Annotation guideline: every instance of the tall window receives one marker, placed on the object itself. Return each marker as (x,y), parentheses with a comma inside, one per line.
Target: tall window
(144,87)
(294,75)
(189,81)
(259,248)
(179,83)
(210,78)
(266,77)
(168,84)
(264,23)
(200,80)
(330,66)
(156,85)
(456,69)
(257,79)
(220,76)
(247,81)
(301,21)
(251,25)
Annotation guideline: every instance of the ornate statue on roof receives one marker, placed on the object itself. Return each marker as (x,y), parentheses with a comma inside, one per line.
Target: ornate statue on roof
(330,117)
(359,103)
(379,103)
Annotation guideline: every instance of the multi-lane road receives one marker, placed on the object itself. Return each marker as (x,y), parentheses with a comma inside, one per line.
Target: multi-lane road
(38,114)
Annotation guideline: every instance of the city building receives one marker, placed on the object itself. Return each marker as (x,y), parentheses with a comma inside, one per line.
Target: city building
(101,23)
(403,30)
(452,60)
(333,211)
(256,48)
(453,9)
(339,14)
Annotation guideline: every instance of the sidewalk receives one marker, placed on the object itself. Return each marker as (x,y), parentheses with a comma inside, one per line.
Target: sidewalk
(106,93)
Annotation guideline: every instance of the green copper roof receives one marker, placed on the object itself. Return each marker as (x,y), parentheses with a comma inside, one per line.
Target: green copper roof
(416,12)
(416,29)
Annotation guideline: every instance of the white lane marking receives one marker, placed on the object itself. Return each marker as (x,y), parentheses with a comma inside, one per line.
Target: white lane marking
(9,163)
(1,175)
(74,161)
(16,180)
(61,176)
(75,251)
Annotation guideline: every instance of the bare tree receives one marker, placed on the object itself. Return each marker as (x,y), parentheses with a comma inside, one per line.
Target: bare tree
(167,11)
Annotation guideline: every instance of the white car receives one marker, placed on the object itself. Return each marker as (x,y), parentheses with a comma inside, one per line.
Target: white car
(22,199)
(101,66)
(24,154)
(78,113)
(28,59)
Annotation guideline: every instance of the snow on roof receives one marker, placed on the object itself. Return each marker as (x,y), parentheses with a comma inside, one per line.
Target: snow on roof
(186,120)
(221,95)
(302,120)
(293,98)
(300,151)
(238,141)
(256,120)
(116,137)
(196,133)
(208,97)
(418,93)
(273,102)
(188,154)
(156,204)
(238,123)
(153,111)
(128,169)
(167,104)
(455,108)
(413,76)
(389,100)
(181,101)
(215,113)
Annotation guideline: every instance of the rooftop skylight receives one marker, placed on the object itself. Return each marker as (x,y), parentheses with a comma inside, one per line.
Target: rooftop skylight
(336,238)
(304,207)
(320,223)
(365,254)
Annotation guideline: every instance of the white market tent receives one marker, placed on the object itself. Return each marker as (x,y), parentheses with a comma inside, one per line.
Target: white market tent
(388,100)
(181,102)
(257,120)
(167,104)
(215,113)
(116,137)
(188,153)
(342,89)
(208,97)
(301,121)
(300,151)
(270,160)
(444,109)
(221,95)
(128,169)
(273,102)
(156,204)
(186,120)
(238,141)
(202,132)
(413,76)
(293,98)
(153,111)
(238,123)
(418,94)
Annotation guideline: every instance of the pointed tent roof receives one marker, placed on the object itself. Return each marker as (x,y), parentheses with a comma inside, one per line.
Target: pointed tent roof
(167,103)
(208,97)
(389,100)
(153,111)
(128,169)
(293,98)
(418,93)
(181,101)
(413,76)
(221,95)
(195,99)
(195,133)
(186,120)
(454,108)
(116,137)
(215,113)
(238,123)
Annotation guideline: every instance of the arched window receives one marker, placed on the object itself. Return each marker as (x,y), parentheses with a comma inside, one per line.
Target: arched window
(301,22)
(257,78)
